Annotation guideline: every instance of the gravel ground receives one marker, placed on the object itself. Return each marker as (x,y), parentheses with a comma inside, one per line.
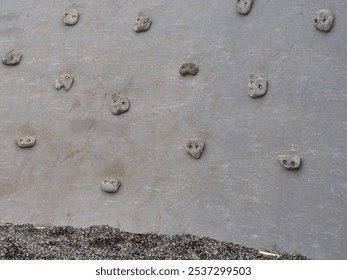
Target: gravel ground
(103,242)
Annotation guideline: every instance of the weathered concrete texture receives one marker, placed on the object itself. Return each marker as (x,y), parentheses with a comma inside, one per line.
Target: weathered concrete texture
(237,191)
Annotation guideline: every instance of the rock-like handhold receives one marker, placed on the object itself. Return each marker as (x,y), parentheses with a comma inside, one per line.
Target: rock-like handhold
(194,147)
(142,23)
(110,184)
(289,162)
(64,80)
(323,20)
(25,142)
(257,86)
(243,6)
(71,16)
(188,68)
(13,57)
(120,104)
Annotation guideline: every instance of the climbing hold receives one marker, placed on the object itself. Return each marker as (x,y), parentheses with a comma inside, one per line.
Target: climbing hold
(257,86)
(289,162)
(189,68)
(194,147)
(64,80)
(110,185)
(120,104)
(25,142)
(13,57)
(243,6)
(142,23)
(323,20)
(71,16)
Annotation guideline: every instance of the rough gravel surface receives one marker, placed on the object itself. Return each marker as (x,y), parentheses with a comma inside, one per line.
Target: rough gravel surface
(103,242)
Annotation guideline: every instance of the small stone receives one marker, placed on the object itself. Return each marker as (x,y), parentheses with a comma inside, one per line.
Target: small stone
(189,68)
(25,142)
(289,162)
(110,185)
(243,6)
(120,104)
(71,16)
(64,80)
(323,20)
(257,86)
(194,147)
(142,23)
(13,57)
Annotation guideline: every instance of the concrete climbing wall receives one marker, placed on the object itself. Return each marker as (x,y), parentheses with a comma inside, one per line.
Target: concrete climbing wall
(237,191)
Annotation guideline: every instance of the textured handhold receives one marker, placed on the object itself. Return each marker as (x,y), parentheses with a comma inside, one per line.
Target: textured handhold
(110,185)
(64,80)
(25,142)
(257,86)
(71,16)
(120,104)
(13,57)
(323,20)
(289,162)
(189,68)
(243,6)
(142,23)
(194,147)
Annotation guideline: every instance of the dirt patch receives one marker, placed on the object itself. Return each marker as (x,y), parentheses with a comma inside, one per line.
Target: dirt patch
(103,242)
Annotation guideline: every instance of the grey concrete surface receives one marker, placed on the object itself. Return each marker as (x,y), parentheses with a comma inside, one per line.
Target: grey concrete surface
(237,191)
